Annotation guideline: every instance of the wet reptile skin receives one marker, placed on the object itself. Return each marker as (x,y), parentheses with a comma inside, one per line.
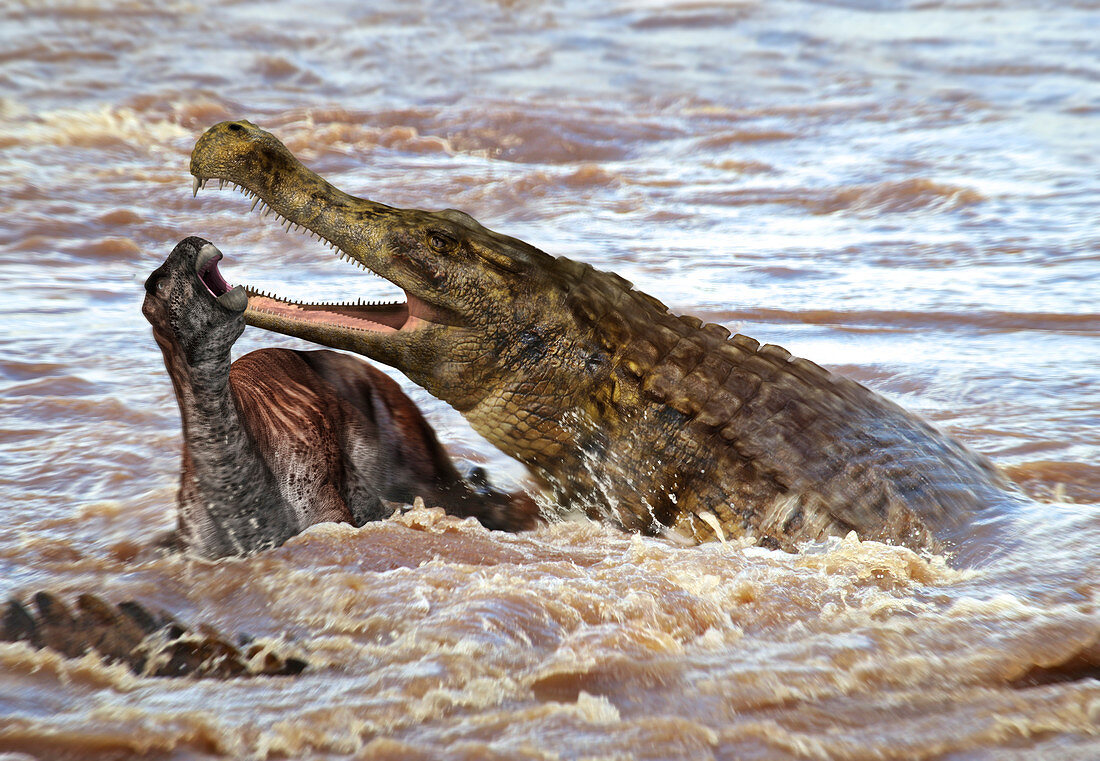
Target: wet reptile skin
(649,419)
(148,641)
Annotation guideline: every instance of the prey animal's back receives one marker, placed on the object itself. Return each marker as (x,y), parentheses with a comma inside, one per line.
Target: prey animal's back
(321,449)
(342,440)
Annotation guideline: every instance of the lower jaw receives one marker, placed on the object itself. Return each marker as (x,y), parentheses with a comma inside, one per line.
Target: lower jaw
(335,316)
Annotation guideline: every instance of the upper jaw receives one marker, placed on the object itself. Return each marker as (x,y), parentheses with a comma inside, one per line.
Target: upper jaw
(418,314)
(257,164)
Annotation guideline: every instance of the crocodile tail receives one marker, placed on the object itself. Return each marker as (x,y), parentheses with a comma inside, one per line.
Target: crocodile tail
(149,642)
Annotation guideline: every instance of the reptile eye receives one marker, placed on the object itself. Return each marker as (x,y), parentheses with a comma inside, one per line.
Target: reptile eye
(441,243)
(156,284)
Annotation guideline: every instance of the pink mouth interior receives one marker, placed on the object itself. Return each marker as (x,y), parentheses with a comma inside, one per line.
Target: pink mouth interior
(213,279)
(382,318)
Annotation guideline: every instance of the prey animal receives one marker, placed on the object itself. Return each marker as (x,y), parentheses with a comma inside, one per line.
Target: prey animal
(280,439)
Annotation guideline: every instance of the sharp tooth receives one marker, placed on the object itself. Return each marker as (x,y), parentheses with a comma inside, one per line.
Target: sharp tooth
(256,201)
(195,185)
(221,184)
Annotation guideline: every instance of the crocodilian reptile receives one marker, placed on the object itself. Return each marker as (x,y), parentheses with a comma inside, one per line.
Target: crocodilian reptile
(653,420)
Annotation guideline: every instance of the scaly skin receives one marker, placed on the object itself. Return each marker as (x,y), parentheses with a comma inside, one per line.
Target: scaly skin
(151,643)
(655,421)
(280,440)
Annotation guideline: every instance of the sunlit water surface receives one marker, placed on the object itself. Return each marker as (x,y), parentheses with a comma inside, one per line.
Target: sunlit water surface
(906,192)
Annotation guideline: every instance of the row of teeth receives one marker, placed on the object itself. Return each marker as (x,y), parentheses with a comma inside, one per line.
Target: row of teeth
(330,304)
(285,223)
(356,328)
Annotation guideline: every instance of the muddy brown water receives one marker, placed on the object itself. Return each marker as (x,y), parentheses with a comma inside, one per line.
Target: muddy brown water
(905,192)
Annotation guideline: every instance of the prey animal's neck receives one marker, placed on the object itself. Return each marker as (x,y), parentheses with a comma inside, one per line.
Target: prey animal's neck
(229,503)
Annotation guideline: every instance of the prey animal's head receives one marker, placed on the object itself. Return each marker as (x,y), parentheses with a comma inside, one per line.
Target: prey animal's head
(470,293)
(192,309)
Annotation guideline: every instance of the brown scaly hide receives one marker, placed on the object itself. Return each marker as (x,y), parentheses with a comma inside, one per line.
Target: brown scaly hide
(826,453)
(149,642)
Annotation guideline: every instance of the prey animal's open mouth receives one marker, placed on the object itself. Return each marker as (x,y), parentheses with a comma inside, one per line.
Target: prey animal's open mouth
(360,315)
(206,268)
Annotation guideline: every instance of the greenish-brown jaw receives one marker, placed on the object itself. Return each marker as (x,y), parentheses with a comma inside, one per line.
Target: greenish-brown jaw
(255,163)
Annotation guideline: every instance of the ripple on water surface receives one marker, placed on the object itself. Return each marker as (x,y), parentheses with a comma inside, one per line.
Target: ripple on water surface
(431,631)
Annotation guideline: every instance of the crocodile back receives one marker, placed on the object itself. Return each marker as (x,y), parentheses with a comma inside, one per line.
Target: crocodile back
(775,445)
